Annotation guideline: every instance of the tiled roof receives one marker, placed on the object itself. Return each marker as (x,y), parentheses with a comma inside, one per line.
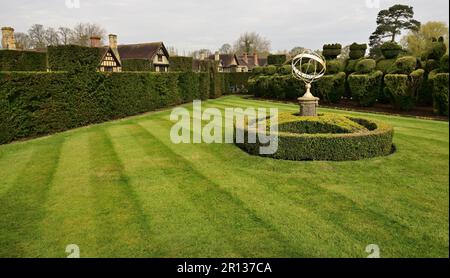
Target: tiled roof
(141,51)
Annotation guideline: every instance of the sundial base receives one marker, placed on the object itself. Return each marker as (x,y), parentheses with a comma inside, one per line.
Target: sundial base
(308,106)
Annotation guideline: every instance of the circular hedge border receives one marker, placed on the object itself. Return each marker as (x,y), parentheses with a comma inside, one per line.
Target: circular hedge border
(374,141)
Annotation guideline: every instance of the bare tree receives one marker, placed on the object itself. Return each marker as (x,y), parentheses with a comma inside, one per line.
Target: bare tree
(84,31)
(296,50)
(197,54)
(251,43)
(226,49)
(23,41)
(37,36)
(51,37)
(65,35)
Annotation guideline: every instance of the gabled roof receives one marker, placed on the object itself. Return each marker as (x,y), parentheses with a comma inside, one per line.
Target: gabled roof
(227,60)
(141,50)
(105,50)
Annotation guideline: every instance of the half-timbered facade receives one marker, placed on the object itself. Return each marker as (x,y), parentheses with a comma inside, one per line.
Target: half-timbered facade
(110,62)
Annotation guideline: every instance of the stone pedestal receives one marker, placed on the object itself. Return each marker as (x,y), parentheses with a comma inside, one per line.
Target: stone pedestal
(308,106)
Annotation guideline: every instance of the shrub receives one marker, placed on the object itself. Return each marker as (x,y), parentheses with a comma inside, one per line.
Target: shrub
(270,70)
(390,50)
(373,139)
(439,85)
(14,60)
(357,51)
(33,104)
(331,51)
(351,66)
(136,65)
(330,88)
(335,66)
(258,70)
(236,82)
(286,69)
(179,63)
(404,65)
(385,65)
(404,89)
(437,49)
(365,88)
(365,66)
(444,64)
(277,60)
(74,58)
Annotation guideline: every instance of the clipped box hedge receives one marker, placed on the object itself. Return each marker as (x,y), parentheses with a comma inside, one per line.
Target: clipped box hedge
(33,104)
(276,59)
(180,63)
(137,65)
(335,141)
(366,88)
(404,89)
(16,60)
(439,84)
(73,58)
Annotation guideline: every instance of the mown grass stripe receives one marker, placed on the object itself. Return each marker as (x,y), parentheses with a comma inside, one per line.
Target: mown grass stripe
(122,227)
(250,235)
(22,206)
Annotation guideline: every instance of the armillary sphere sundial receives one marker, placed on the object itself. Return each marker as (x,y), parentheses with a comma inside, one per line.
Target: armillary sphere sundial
(308,67)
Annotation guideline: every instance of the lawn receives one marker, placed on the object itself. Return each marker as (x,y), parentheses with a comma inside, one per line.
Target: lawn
(122,189)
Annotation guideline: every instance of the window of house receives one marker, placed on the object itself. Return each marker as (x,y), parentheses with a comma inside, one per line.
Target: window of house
(160,58)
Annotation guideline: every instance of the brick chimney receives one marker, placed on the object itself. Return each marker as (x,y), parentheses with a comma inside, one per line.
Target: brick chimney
(113,41)
(245,57)
(217,56)
(255,57)
(96,41)
(8,41)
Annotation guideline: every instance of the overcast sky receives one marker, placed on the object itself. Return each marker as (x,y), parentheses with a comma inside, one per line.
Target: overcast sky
(194,24)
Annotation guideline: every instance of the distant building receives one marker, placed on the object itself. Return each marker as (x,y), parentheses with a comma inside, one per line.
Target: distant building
(155,52)
(249,62)
(110,58)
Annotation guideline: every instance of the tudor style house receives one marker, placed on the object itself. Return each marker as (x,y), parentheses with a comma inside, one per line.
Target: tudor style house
(110,58)
(249,62)
(155,52)
(232,62)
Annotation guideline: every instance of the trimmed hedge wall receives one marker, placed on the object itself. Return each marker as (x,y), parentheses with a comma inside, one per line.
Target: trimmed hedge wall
(365,88)
(357,51)
(137,65)
(404,89)
(439,84)
(33,104)
(180,63)
(73,58)
(375,141)
(15,60)
(277,60)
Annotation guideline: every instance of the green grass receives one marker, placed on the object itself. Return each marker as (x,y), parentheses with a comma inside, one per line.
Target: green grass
(122,189)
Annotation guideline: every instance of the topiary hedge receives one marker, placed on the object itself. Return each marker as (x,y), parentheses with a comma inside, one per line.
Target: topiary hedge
(74,58)
(365,88)
(33,104)
(365,66)
(277,59)
(404,89)
(331,51)
(404,65)
(180,63)
(385,65)
(137,65)
(330,88)
(326,137)
(15,60)
(357,51)
(335,66)
(439,84)
(390,50)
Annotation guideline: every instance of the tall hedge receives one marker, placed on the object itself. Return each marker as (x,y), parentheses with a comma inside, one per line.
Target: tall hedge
(440,87)
(137,65)
(180,63)
(15,60)
(404,89)
(74,58)
(33,104)
(365,88)
(276,59)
